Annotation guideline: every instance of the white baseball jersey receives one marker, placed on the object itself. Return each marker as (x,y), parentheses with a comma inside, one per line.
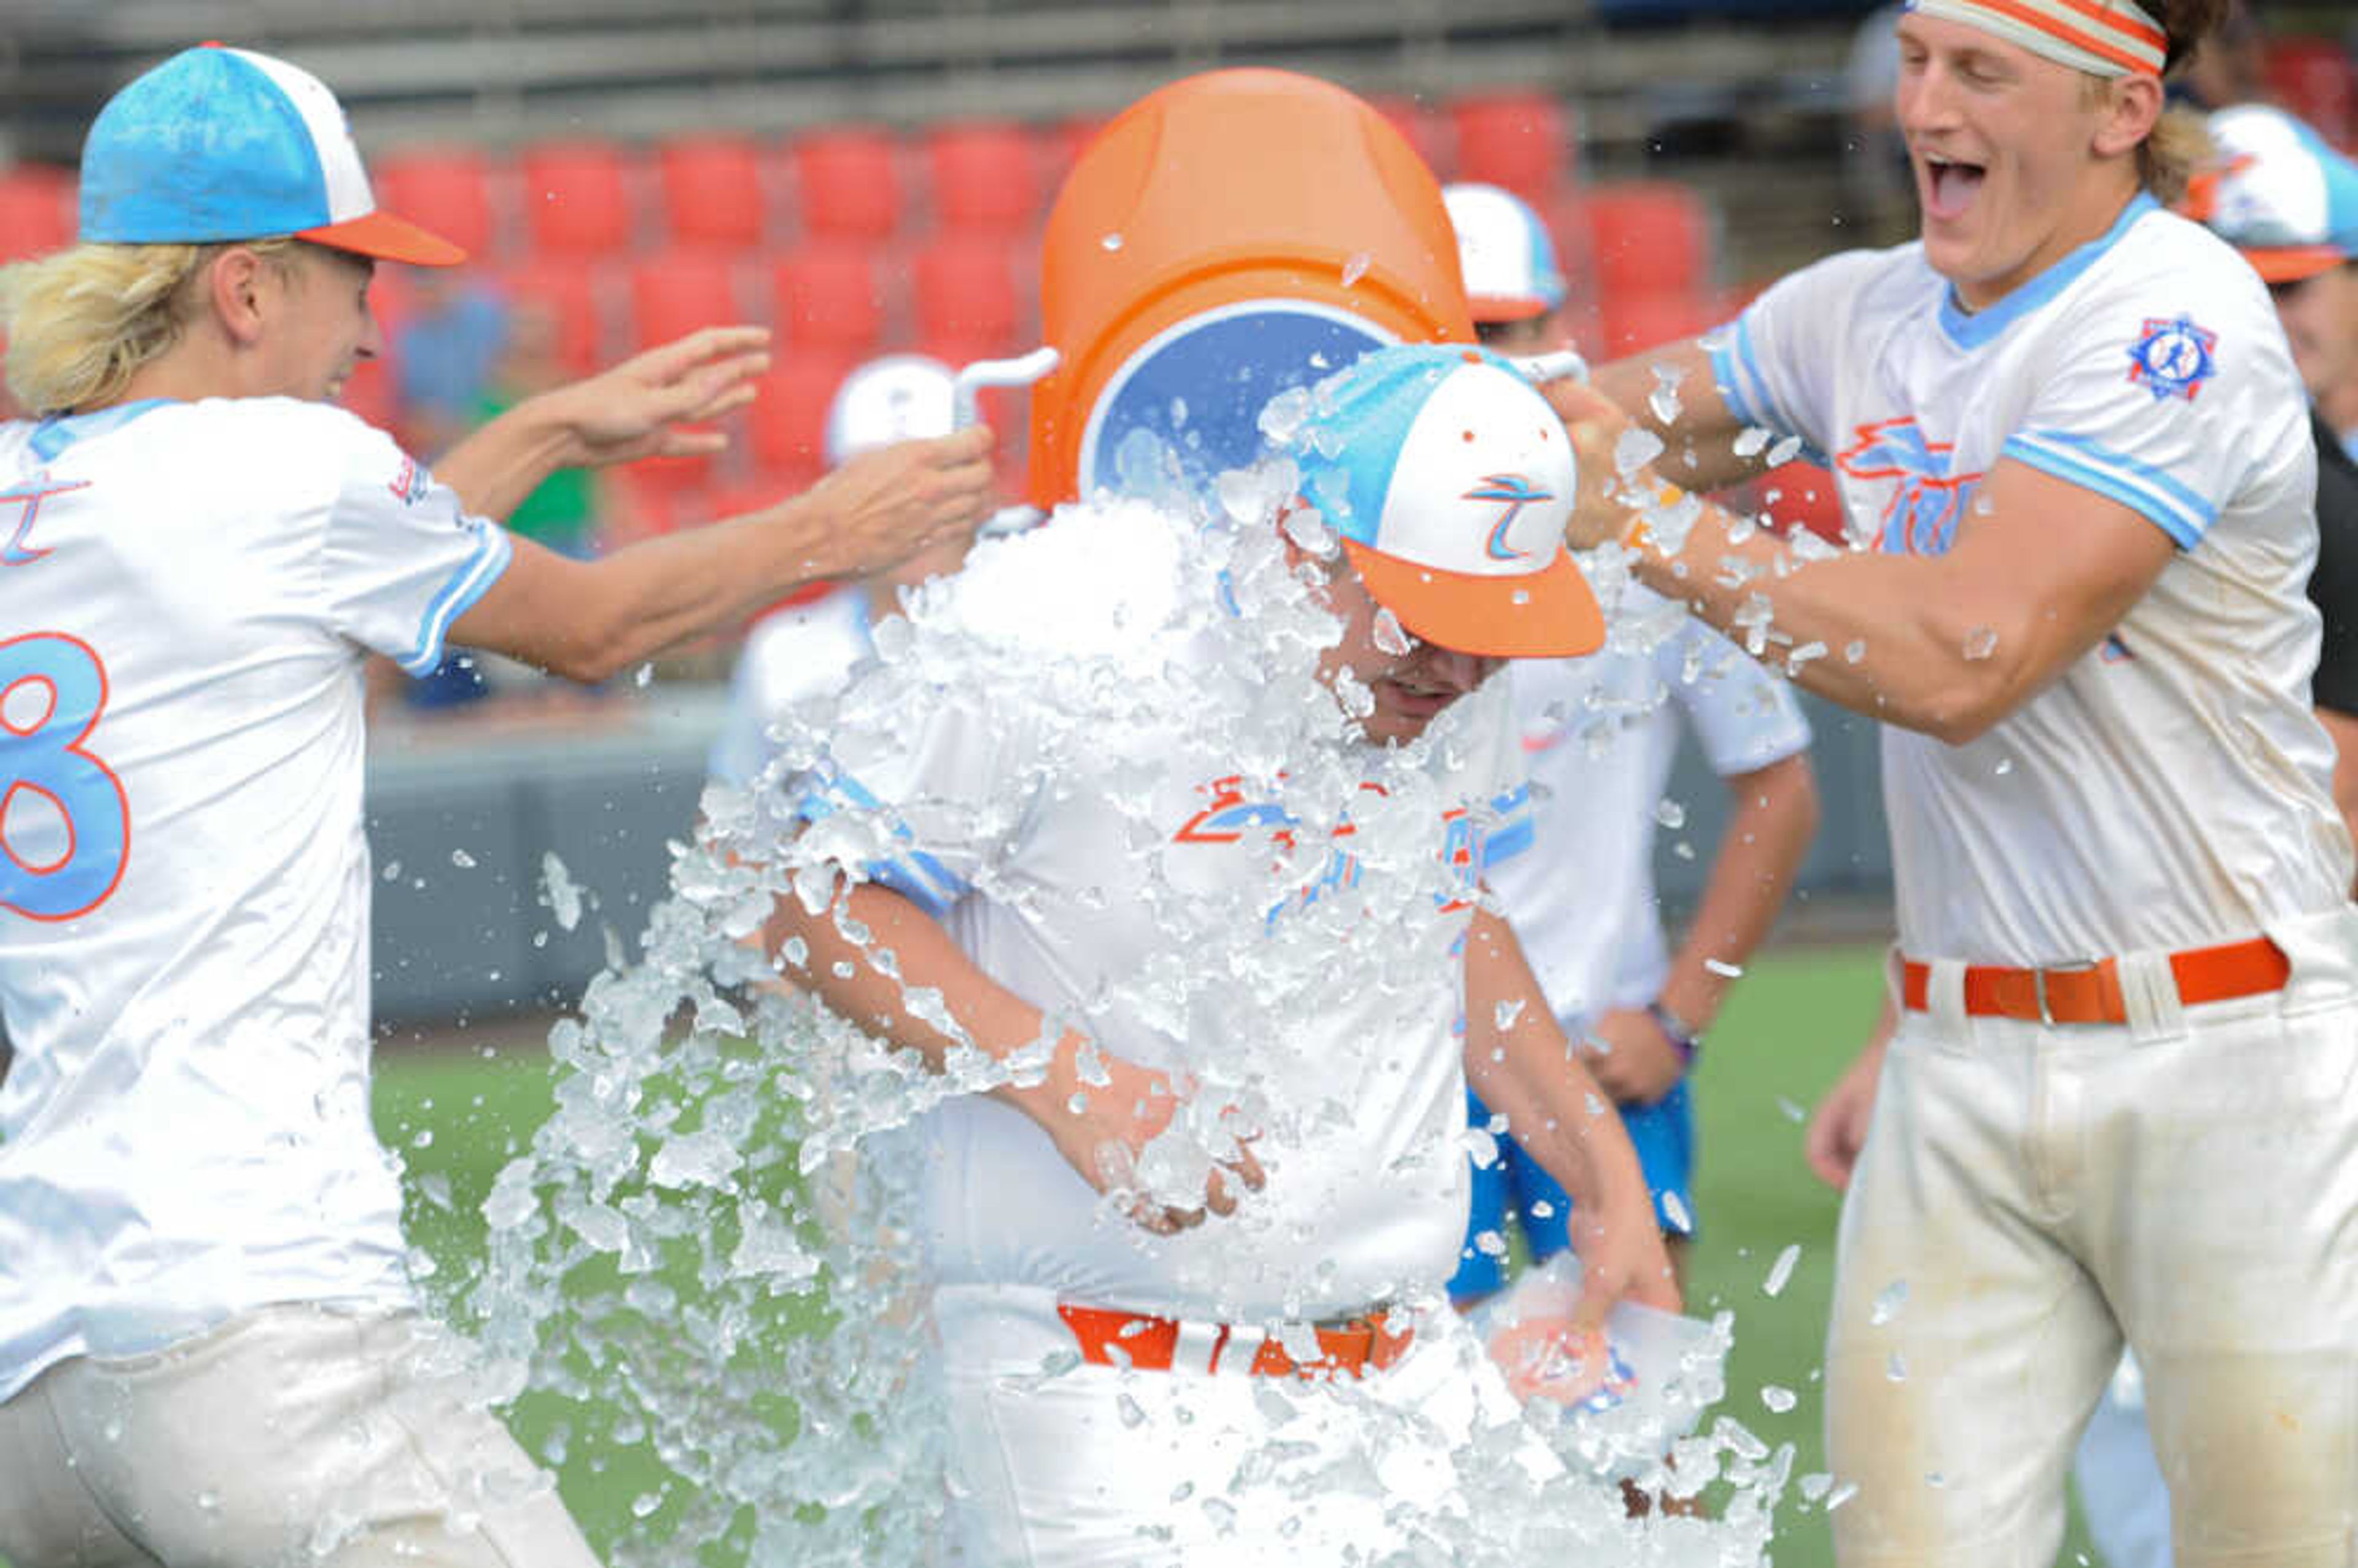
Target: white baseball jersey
(1599,735)
(1078,872)
(790,656)
(184,900)
(2169,790)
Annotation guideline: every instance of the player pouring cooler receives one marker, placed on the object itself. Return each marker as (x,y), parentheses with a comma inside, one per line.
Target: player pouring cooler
(2071,444)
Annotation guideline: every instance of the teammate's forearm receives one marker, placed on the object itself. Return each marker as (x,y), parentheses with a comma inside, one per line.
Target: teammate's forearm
(1767,837)
(1699,443)
(1518,1060)
(498,464)
(845,976)
(1905,640)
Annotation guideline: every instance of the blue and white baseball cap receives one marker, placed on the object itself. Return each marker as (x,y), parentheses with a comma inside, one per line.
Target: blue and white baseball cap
(1449,479)
(1505,254)
(2279,194)
(899,397)
(220,143)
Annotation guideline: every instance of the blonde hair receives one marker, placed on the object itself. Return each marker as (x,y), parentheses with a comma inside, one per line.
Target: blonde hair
(82,321)
(2179,144)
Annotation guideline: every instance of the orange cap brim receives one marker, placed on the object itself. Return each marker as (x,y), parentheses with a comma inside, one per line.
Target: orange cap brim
(387,238)
(2290,264)
(1546,614)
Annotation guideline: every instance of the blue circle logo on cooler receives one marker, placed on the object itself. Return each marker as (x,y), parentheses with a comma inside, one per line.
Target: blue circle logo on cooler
(1186,407)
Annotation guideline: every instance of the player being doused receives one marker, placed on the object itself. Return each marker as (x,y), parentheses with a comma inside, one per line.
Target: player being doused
(1193,821)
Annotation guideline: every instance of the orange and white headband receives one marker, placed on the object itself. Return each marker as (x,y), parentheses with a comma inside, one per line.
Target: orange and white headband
(2102,37)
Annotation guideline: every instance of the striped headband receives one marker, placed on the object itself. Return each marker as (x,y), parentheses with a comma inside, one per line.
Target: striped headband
(2102,37)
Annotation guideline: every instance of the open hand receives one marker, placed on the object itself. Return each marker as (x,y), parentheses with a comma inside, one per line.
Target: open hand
(1103,1129)
(1837,1129)
(645,407)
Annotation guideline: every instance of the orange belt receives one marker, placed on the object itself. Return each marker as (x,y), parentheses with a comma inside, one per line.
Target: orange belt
(1153,1344)
(2091,993)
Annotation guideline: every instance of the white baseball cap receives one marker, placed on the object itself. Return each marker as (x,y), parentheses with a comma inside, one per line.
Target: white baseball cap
(2279,194)
(219,144)
(1450,480)
(897,398)
(1504,251)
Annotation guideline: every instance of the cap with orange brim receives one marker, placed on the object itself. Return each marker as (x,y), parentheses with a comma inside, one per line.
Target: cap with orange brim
(2279,194)
(1449,479)
(218,145)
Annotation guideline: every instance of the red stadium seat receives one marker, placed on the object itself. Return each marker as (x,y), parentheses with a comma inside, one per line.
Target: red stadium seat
(828,296)
(2317,80)
(1648,236)
(1427,130)
(985,177)
(1631,322)
(966,294)
(448,189)
(679,292)
(576,198)
(37,212)
(1519,140)
(848,183)
(789,418)
(712,191)
(571,291)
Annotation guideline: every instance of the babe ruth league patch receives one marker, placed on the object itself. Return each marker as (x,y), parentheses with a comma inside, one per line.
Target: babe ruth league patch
(2173,358)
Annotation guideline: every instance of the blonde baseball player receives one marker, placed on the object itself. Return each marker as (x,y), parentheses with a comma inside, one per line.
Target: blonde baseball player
(209,1351)
(2117,1106)
(1028,880)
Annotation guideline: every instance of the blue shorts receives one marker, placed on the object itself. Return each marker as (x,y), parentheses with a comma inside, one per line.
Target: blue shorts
(1664,1133)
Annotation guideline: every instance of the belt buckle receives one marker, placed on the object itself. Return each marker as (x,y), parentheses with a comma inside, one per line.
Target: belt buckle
(2039,982)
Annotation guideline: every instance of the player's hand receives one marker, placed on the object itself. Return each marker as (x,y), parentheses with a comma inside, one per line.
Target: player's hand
(1102,1128)
(884,506)
(1837,1129)
(1630,1057)
(1619,1245)
(1551,1359)
(1595,422)
(645,407)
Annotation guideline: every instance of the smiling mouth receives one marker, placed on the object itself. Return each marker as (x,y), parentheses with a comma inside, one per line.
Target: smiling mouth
(1950,187)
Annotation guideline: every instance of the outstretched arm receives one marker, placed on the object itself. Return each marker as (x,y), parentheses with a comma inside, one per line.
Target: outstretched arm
(1518,1061)
(1946,644)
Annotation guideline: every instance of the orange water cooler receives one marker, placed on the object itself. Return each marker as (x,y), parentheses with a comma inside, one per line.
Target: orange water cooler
(1227,238)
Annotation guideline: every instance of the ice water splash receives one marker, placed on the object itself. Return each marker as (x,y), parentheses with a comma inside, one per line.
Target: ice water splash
(710,1249)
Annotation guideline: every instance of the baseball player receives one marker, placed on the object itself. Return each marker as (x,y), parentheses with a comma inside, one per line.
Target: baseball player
(209,1351)
(2277,193)
(1598,735)
(1037,875)
(2117,1106)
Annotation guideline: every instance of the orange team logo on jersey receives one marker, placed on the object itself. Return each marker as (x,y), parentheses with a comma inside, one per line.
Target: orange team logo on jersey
(1920,518)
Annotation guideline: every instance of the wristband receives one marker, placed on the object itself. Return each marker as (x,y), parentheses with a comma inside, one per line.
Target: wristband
(1684,1039)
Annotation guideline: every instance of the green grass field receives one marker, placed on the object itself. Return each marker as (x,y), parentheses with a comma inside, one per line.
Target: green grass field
(456,1117)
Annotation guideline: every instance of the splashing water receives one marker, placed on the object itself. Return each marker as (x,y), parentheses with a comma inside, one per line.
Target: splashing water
(713,1237)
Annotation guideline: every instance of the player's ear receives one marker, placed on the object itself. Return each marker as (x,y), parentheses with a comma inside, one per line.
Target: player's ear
(236,286)
(2133,108)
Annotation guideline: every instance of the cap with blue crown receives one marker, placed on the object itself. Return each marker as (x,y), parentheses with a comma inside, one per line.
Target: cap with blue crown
(221,143)
(1450,480)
